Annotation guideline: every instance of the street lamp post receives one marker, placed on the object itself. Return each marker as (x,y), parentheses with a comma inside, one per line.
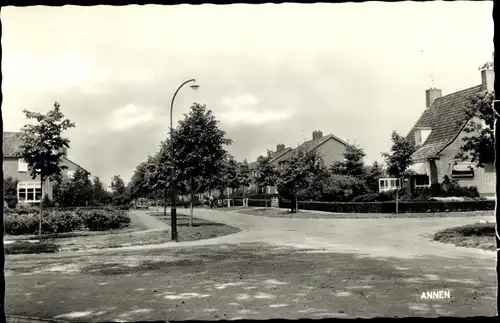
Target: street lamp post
(173,209)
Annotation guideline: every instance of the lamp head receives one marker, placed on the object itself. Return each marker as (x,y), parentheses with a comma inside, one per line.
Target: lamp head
(195,86)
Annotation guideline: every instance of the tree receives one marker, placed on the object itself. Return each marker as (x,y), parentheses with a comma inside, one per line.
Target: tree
(352,164)
(231,179)
(266,174)
(10,191)
(100,196)
(372,175)
(42,144)
(199,148)
(296,175)
(120,195)
(138,185)
(399,159)
(243,176)
(75,191)
(479,145)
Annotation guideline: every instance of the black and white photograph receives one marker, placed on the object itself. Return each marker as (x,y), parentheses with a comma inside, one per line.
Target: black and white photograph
(248,161)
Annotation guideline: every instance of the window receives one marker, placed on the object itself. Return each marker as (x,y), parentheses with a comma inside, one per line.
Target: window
(29,192)
(387,184)
(462,169)
(22,165)
(70,173)
(422,181)
(421,136)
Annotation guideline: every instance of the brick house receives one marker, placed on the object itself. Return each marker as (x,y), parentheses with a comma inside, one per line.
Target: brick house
(329,147)
(438,135)
(29,190)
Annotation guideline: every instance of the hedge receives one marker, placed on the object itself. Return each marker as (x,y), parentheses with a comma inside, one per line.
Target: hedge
(386,207)
(25,247)
(55,221)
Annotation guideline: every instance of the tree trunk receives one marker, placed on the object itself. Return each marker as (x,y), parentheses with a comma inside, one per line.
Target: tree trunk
(156,202)
(296,203)
(165,202)
(41,209)
(191,203)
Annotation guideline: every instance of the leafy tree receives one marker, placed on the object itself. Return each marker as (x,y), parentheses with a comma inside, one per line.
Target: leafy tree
(266,173)
(199,148)
(243,176)
(372,175)
(479,144)
(100,196)
(138,185)
(399,159)
(120,195)
(10,191)
(75,191)
(231,174)
(352,164)
(42,144)
(296,175)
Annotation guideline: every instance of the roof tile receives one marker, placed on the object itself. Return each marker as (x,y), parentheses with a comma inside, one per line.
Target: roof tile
(446,117)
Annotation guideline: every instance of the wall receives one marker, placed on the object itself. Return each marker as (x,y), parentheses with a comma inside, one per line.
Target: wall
(331,151)
(484,179)
(11,170)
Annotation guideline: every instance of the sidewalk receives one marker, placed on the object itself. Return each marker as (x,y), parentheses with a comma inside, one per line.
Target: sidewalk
(148,222)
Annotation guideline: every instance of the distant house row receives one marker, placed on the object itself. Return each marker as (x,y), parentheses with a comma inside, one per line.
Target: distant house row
(29,190)
(330,147)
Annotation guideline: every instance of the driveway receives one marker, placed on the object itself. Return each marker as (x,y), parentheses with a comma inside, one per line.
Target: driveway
(274,268)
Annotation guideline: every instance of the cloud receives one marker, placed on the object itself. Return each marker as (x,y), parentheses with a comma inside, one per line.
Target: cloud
(243,109)
(129,116)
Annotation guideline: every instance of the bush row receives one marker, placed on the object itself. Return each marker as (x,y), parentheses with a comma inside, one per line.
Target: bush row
(387,207)
(55,221)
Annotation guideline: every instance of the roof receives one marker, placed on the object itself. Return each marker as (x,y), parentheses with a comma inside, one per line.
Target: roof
(11,144)
(312,144)
(446,117)
(304,147)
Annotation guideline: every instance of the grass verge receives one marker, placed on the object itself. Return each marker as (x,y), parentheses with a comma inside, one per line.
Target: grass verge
(477,235)
(201,229)
(306,214)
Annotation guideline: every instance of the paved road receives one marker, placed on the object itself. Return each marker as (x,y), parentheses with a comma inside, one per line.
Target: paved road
(347,268)
(143,219)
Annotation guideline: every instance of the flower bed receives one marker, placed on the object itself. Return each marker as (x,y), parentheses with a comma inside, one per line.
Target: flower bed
(60,221)
(387,207)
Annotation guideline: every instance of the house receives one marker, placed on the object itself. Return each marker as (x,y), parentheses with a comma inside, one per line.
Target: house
(438,135)
(29,190)
(329,147)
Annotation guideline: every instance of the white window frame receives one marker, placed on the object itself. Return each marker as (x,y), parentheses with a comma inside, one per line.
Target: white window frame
(29,186)
(22,166)
(418,137)
(388,184)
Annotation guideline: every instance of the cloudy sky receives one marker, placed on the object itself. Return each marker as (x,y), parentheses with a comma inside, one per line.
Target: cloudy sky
(271,73)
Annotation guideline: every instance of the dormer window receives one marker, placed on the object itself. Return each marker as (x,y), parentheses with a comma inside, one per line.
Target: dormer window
(421,135)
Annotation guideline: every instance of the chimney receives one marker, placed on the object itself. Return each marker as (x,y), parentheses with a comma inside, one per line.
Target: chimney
(488,79)
(317,135)
(269,153)
(431,95)
(280,147)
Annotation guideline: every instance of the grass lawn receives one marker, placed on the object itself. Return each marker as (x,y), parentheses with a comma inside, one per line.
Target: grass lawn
(306,214)
(477,235)
(201,229)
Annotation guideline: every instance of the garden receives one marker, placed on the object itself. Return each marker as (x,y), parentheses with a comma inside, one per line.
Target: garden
(22,225)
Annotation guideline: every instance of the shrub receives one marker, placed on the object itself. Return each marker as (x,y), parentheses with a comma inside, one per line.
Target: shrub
(343,188)
(390,207)
(10,192)
(24,223)
(47,202)
(104,219)
(25,247)
(25,208)
(60,221)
